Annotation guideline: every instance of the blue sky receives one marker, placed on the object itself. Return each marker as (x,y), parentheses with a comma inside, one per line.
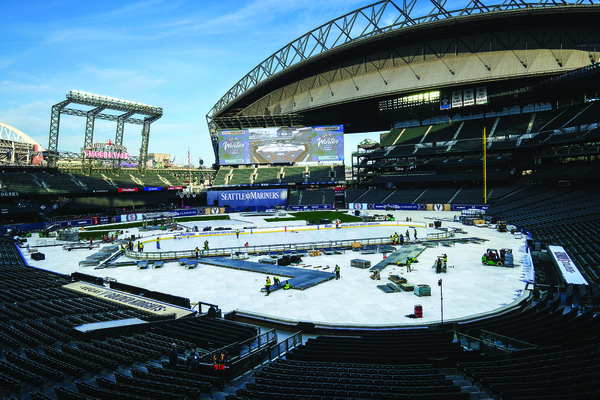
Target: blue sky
(178,55)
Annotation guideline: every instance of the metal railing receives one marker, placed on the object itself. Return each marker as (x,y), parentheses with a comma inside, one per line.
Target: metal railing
(286,345)
(258,249)
(503,343)
(493,342)
(441,235)
(243,349)
(263,355)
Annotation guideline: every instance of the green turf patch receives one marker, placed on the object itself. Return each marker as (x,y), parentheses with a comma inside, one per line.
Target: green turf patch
(128,225)
(281,219)
(330,215)
(202,218)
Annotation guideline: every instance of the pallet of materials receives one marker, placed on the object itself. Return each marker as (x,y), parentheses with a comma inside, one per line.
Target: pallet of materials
(357,263)
(422,290)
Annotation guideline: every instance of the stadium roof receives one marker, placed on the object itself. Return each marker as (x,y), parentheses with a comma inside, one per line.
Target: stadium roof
(338,72)
(13,134)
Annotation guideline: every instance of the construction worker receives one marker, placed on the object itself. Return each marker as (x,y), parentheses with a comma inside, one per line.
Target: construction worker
(206,245)
(237,233)
(158,243)
(445,261)
(276,280)
(408,262)
(220,359)
(268,286)
(337,272)
(286,286)
(197,251)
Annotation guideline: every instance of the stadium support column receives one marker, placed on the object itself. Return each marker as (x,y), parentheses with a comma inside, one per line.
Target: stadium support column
(88,141)
(119,136)
(484,168)
(144,146)
(214,137)
(53,137)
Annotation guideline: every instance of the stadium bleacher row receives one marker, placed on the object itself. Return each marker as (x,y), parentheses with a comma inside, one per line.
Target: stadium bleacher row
(41,357)
(77,182)
(248,175)
(497,126)
(558,216)
(422,196)
(452,147)
(558,344)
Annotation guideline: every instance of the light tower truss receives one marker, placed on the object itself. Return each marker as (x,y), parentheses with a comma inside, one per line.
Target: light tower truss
(99,104)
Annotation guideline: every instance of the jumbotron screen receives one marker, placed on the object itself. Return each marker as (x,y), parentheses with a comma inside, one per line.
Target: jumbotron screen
(281,145)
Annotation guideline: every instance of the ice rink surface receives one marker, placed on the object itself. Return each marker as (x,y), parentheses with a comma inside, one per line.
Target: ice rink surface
(469,287)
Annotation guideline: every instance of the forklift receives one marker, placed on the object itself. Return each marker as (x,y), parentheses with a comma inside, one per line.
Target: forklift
(492,257)
(501,226)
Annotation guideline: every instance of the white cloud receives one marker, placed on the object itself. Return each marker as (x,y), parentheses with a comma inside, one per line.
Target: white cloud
(10,87)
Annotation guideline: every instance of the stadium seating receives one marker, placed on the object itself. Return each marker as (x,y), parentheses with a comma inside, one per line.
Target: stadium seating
(21,182)
(267,175)
(436,196)
(320,173)
(241,176)
(441,132)
(294,174)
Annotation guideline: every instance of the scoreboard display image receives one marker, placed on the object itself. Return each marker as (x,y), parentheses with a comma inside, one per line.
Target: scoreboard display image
(279,145)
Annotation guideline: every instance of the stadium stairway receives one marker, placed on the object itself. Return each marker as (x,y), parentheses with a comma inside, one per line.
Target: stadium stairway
(466,386)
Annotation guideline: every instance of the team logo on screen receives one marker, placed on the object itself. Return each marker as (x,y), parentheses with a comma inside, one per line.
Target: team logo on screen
(233,146)
(327,142)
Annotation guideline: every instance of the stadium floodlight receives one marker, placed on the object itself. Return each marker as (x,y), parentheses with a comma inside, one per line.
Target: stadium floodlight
(79,96)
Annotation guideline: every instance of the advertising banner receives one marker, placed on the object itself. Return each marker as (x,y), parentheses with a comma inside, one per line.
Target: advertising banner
(567,267)
(186,213)
(461,207)
(311,207)
(248,198)
(152,189)
(414,207)
(212,210)
(357,206)
(438,207)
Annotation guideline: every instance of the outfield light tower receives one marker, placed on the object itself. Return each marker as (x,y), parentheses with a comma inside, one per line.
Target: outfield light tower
(100,103)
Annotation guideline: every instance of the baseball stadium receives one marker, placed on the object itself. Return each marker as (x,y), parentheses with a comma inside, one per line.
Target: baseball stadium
(457,257)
